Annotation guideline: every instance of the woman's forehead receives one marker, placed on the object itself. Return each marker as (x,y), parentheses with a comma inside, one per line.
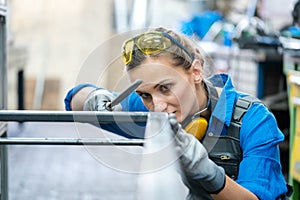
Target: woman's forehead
(154,76)
(155,71)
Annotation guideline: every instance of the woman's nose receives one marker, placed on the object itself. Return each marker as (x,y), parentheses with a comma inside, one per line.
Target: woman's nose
(159,104)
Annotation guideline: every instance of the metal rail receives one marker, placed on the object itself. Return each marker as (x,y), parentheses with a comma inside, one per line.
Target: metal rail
(71,141)
(72,116)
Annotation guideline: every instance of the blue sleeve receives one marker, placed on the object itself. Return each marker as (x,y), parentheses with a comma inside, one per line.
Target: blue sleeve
(260,169)
(132,103)
(129,130)
(73,91)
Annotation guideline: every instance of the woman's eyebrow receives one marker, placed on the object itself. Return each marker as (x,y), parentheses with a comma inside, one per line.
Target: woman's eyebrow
(162,82)
(138,92)
(141,90)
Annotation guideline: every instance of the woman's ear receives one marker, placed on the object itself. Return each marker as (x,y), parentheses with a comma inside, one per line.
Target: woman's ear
(197,71)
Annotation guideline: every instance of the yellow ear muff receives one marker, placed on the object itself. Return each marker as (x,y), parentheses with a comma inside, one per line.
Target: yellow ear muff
(197,127)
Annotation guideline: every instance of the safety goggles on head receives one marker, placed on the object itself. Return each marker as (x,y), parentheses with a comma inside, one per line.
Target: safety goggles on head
(150,43)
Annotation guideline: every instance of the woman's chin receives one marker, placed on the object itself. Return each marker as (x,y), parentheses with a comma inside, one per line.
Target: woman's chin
(179,118)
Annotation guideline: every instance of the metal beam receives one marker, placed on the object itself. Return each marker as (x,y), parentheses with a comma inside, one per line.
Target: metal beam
(71,141)
(72,116)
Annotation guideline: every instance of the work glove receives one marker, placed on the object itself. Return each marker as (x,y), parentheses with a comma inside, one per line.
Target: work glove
(99,100)
(198,169)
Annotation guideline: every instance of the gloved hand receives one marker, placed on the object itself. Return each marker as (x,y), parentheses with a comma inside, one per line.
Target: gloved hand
(197,167)
(99,100)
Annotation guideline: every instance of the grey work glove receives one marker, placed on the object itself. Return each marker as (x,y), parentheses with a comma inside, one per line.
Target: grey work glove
(198,169)
(99,100)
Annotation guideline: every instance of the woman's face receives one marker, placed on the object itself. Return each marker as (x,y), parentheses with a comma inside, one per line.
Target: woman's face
(167,88)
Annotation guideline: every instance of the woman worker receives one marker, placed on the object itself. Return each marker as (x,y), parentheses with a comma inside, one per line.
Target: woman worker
(171,68)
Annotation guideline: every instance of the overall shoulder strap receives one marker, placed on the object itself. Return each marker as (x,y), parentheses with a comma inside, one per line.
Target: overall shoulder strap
(242,105)
(225,149)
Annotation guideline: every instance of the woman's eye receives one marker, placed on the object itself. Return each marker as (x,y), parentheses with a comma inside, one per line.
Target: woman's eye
(144,95)
(165,87)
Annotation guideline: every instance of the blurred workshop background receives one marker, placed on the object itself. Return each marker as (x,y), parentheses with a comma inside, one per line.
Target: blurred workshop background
(50,40)
(47,44)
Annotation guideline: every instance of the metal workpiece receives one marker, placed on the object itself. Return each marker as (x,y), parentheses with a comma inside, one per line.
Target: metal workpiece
(3,99)
(91,117)
(3,128)
(72,116)
(144,168)
(159,178)
(71,141)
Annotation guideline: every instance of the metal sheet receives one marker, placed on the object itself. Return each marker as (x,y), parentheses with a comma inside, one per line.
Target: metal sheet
(71,141)
(71,116)
(92,172)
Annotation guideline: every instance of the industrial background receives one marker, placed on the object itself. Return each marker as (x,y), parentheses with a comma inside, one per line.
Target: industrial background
(53,38)
(47,47)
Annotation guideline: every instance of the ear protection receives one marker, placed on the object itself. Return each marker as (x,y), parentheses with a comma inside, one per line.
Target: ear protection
(197,127)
